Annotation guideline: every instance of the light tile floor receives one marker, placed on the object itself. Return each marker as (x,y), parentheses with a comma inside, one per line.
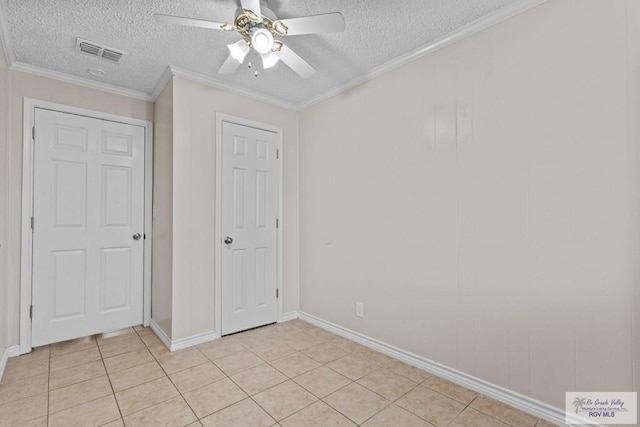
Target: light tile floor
(289,374)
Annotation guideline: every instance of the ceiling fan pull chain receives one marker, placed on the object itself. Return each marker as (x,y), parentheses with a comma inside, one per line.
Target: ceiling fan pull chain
(255,74)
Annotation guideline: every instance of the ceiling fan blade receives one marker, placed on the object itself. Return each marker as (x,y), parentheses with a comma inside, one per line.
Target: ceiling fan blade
(230,65)
(189,22)
(325,23)
(252,5)
(296,63)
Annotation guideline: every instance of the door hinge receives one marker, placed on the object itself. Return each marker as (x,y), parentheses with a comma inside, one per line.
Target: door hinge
(277,223)
(277,293)
(277,154)
(33,133)
(32,222)
(31,312)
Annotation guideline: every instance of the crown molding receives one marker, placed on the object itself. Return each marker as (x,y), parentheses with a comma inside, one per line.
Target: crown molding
(171,71)
(162,82)
(4,35)
(31,69)
(463,32)
(208,81)
(457,35)
(14,64)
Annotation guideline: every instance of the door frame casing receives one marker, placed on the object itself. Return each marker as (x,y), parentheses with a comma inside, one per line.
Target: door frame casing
(220,119)
(26,258)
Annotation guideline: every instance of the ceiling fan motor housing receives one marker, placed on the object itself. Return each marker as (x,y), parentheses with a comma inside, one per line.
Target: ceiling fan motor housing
(259,31)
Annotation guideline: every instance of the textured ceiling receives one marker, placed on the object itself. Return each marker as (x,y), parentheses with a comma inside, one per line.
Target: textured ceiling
(42,33)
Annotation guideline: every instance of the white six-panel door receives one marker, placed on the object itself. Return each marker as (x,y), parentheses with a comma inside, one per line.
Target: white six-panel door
(250,204)
(88,210)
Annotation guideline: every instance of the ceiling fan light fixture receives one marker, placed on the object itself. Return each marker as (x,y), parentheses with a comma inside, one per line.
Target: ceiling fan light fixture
(269,59)
(239,50)
(262,40)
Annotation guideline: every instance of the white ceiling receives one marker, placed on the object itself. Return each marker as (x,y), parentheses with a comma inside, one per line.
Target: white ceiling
(42,33)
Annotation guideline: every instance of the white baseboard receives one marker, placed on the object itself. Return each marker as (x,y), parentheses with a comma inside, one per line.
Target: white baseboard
(8,352)
(160,334)
(517,400)
(193,340)
(285,317)
(182,343)
(13,351)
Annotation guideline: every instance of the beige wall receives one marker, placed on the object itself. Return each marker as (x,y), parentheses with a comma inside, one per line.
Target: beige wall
(189,296)
(31,86)
(162,263)
(483,203)
(633,136)
(194,141)
(4,189)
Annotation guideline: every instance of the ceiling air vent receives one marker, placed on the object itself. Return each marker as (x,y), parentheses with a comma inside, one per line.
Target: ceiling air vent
(112,55)
(99,50)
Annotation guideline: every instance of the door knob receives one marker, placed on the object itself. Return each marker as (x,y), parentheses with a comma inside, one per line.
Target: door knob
(228,240)
(137,236)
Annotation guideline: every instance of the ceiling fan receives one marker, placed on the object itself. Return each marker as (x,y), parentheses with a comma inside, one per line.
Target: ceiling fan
(259,27)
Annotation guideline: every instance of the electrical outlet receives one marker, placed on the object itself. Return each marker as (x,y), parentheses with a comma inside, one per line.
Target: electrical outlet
(359,309)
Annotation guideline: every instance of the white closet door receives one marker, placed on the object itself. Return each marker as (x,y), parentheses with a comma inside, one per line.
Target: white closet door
(88,226)
(250,200)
